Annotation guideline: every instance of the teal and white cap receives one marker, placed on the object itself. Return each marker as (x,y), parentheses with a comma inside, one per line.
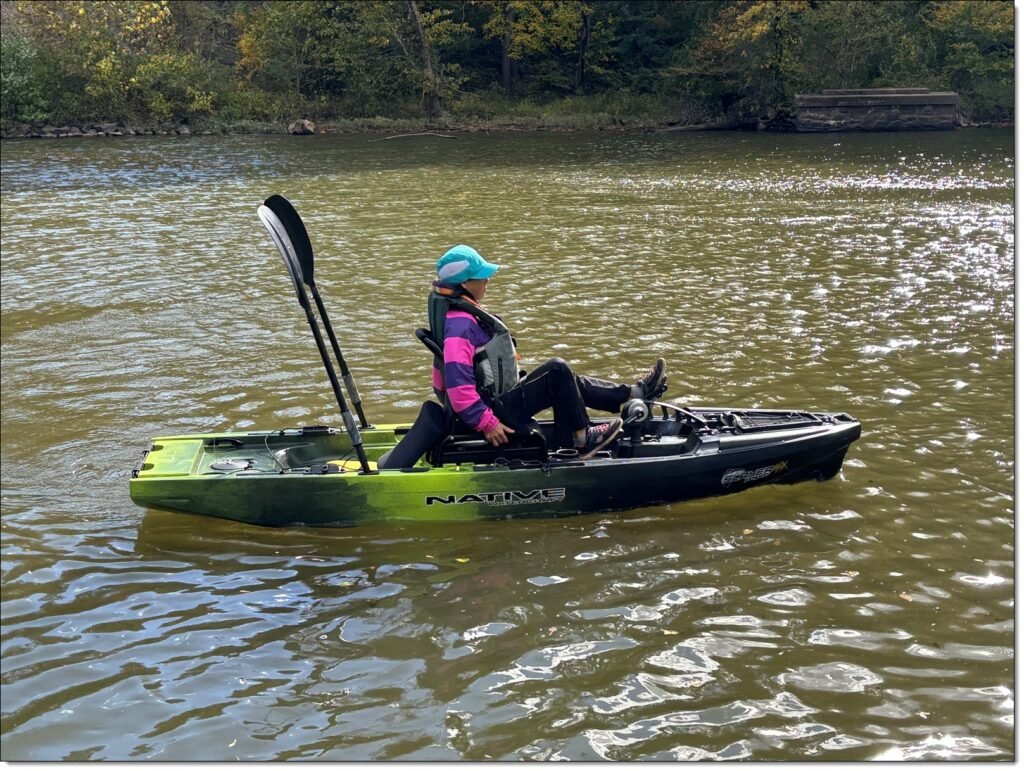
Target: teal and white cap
(463,263)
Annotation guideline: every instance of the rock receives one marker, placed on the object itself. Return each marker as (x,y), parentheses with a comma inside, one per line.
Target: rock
(107,128)
(74,131)
(183,131)
(962,121)
(48,131)
(302,127)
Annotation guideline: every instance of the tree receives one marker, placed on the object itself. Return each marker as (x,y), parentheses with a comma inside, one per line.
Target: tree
(547,33)
(90,60)
(90,56)
(586,12)
(501,26)
(431,79)
(748,54)
(975,38)
(284,46)
(22,97)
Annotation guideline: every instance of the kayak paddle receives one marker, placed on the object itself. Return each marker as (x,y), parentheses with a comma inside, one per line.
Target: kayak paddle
(282,238)
(303,252)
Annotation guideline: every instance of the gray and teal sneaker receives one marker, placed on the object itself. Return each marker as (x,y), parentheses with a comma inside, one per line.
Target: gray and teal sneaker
(599,436)
(653,384)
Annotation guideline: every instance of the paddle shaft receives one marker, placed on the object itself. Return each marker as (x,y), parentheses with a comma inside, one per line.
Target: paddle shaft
(283,239)
(350,383)
(346,415)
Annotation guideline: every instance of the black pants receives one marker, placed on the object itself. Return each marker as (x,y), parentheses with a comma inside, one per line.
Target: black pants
(554,384)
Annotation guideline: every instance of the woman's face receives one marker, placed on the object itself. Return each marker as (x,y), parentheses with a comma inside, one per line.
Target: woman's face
(476,287)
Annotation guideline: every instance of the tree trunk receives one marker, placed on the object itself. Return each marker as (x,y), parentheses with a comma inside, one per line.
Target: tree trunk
(581,64)
(506,60)
(432,84)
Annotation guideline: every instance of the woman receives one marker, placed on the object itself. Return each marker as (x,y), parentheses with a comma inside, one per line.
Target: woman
(479,357)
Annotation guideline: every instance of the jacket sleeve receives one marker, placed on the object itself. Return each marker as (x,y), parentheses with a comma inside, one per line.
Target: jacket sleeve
(459,375)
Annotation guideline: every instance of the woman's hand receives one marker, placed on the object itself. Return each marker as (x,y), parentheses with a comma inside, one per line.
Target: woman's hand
(498,435)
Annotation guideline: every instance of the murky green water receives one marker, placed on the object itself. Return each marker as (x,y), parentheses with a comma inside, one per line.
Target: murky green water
(867,617)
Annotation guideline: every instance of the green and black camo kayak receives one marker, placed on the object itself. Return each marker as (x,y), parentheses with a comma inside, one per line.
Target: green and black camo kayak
(320,475)
(309,476)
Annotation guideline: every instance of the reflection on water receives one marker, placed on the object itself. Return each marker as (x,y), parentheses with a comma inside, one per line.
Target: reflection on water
(870,617)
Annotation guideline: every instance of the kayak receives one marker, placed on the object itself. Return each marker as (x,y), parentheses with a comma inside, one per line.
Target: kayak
(429,471)
(309,476)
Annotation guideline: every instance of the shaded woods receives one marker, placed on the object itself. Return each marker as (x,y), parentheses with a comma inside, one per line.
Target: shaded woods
(252,63)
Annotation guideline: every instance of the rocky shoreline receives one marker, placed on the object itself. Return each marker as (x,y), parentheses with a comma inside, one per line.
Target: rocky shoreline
(297,128)
(93,130)
(306,127)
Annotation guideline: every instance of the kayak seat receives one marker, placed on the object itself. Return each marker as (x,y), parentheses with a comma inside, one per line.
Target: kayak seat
(474,448)
(438,433)
(431,435)
(427,340)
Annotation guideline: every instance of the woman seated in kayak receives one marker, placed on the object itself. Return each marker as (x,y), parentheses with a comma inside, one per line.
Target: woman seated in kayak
(480,377)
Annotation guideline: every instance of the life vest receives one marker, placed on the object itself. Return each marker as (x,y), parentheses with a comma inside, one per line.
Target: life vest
(495,363)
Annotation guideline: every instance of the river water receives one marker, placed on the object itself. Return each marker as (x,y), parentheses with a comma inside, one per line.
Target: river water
(868,617)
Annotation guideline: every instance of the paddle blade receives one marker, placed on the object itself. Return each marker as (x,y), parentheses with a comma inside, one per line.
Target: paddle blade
(282,240)
(292,222)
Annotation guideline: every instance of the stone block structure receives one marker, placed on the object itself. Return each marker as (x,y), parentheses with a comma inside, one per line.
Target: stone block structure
(877,109)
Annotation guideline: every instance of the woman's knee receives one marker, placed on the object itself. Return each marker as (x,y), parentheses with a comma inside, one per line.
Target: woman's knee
(554,374)
(559,366)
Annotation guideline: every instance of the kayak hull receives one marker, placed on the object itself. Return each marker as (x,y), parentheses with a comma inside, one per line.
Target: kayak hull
(300,477)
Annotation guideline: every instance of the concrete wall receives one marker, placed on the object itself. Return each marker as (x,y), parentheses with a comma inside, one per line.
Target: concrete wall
(877,109)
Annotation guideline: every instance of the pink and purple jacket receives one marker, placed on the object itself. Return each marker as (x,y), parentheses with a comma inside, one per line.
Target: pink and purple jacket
(463,335)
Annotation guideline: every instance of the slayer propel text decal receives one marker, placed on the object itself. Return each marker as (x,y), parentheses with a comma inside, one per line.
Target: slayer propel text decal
(744,476)
(501,498)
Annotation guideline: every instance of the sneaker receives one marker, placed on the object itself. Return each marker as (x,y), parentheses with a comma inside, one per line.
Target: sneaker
(653,384)
(600,436)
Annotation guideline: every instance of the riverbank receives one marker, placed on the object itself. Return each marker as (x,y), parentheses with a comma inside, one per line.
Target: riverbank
(592,122)
(395,126)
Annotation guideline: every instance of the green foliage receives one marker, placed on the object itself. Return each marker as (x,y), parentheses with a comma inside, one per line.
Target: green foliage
(749,52)
(581,62)
(283,45)
(535,26)
(611,108)
(753,55)
(109,85)
(247,102)
(173,87)
(22,97)
(654,36)
(974,39)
